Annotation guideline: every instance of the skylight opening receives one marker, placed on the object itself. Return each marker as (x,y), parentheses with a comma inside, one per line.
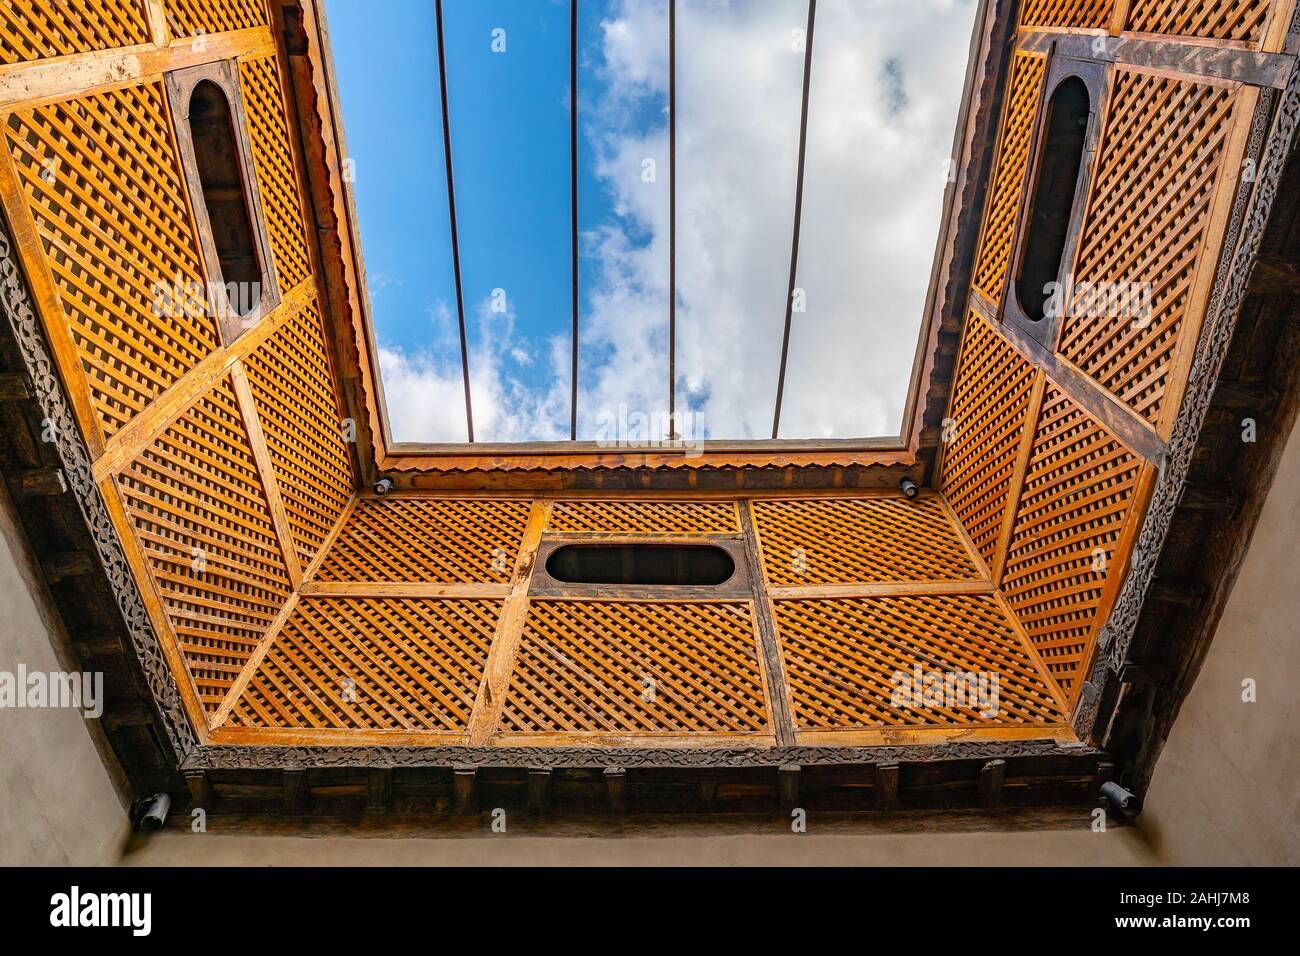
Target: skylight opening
(753,264)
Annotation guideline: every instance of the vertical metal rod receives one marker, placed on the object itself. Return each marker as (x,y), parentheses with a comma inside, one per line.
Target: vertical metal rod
(672,219)
(451,206)
(798,214)
(573,212)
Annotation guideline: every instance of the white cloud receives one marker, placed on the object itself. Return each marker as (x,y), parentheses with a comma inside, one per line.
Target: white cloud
(887,78)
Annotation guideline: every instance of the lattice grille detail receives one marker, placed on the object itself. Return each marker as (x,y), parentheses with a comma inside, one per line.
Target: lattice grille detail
(841,658)
(1240,20)
(104,186)
(372,664)
(38,29)
(1073,14)
(1146,221)
(430,540)
(644,517)
(1075,500)
(296,403)
(196,503)
(1013,161)
(192,17)
(636,668)
(989,405)
(277,182)
(814,541)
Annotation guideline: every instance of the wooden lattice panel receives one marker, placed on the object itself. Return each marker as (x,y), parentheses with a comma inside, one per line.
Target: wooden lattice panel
(644,517)
(277,182)
(38,29)
(298,408)
(428,540)
(104,187)
(1009,177)
(197,506)
(1071,14)
(1078,488)
(636,668)
(405,664)
(1240,20)
(845,659)
(816,541)
(1146,223)
(987,419)
(193,17)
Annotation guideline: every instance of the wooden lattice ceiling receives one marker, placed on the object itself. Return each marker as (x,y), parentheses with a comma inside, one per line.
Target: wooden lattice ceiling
(292,607)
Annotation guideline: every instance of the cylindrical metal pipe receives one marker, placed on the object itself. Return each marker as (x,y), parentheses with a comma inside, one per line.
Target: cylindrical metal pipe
(154,813)
(1120,801)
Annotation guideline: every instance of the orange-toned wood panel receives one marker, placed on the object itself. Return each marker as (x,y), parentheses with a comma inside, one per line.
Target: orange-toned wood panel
(644,517)
(987,419)
(1074,14)
(298,408)
(103,183)
(428,540)
(407,664)
(826,541)
(277,181)
(1009,177)
(1078,489)
(198,508)
(636,668)
(852,664)
(1145,226)
(38,29)
(1240,20)
(192,17)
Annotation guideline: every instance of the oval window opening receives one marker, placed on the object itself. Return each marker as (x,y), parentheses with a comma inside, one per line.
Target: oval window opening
(700,565)
(1053,198)
(216,154)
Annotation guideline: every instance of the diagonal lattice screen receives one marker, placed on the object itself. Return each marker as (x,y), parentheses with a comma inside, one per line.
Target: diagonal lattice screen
(1013,160)
(816,541)
(1079,14)
(1076,497)
(293,390)
(277,181)
(1239,20)
(1158,173)
(987,419)
(186,18)
(841,657)
(636,668)
(36,29)
(644,517)
(196,503)
(103,182)
(428,540)
(372,664)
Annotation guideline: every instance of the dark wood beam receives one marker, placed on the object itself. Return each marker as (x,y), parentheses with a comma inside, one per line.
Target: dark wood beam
(539,790)
(787,786)
(992,776)
(615,789)
(464,790)
(886,787)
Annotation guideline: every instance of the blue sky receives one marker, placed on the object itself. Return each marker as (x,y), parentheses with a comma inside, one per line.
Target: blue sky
(873,154)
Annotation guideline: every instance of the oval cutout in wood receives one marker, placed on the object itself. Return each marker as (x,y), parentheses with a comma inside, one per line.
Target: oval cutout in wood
(694,565)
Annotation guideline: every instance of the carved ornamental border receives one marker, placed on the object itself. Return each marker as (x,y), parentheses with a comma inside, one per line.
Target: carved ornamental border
(298,758)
